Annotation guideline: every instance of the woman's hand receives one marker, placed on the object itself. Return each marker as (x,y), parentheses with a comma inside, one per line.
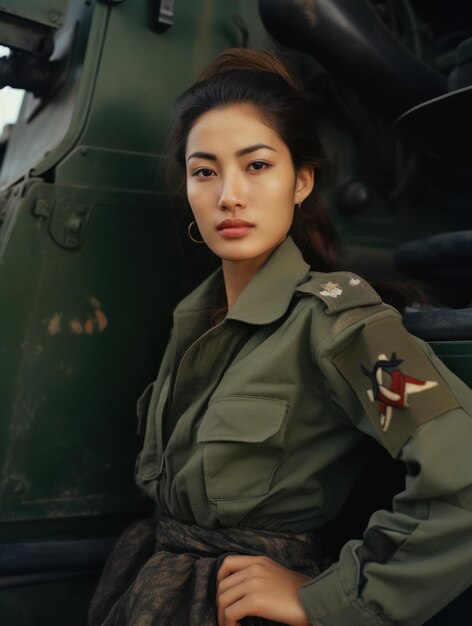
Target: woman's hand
(259,587)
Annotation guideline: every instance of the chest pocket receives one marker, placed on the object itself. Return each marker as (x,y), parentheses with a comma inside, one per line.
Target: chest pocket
(243,441)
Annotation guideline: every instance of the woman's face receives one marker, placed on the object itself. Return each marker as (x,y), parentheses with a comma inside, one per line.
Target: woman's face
(241,183)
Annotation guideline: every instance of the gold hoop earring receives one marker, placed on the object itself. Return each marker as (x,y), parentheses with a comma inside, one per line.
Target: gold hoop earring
(189,232)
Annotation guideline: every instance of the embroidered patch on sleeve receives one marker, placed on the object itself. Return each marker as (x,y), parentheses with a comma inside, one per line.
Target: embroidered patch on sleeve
(397,383)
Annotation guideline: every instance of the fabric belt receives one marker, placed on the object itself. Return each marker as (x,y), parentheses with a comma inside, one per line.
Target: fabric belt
(165,574)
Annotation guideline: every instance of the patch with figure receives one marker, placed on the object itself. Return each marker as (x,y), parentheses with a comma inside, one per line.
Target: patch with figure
(396,378)
(393,392)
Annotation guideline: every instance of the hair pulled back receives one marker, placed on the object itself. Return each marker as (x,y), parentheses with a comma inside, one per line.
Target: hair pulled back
(259,79)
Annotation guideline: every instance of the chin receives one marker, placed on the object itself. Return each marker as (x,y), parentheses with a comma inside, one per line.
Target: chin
(247,255)
(244,250)
(225,256)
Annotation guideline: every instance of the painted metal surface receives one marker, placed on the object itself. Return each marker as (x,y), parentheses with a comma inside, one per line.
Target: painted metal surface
(457,355)
(47,12)
(92,260)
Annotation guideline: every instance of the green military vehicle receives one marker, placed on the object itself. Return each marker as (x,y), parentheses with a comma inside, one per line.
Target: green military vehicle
(94,251)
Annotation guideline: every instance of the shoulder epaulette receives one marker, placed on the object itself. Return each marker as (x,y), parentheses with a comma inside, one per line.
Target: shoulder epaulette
(339,291)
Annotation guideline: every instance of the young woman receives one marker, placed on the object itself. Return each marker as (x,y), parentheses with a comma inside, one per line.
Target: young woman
(256,424)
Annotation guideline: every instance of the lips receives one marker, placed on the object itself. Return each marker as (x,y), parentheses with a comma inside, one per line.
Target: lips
(234,229)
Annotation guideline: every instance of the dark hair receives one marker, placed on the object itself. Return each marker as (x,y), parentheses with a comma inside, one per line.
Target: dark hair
(261,80)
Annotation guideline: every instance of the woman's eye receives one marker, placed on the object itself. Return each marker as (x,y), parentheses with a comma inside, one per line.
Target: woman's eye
(258,165)
(203,172)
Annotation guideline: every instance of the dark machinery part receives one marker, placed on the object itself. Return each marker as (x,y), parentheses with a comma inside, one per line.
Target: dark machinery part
(350,39)
(39,75)
(461,76)
(28,66)
(24,71)
(25,35)
(442,125)
(162,15)
(353,197)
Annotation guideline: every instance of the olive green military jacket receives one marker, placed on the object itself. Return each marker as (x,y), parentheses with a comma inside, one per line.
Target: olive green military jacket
(261,420)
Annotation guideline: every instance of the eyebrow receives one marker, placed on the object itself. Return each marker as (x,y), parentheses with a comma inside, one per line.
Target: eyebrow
(239,153)
(257,146)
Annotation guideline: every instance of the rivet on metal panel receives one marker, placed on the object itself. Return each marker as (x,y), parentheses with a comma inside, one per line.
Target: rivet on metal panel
(54,16)
(67,218)
(72,228)
(42,208)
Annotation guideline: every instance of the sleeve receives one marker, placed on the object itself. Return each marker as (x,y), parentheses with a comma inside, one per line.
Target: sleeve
(415,559)
(148,408)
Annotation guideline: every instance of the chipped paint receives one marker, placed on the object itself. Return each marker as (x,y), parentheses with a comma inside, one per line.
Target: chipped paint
(76,327)
(101,320)
(54,324)
(97,322)
(89,326)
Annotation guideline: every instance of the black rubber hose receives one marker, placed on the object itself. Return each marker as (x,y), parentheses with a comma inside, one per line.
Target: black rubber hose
(350,39)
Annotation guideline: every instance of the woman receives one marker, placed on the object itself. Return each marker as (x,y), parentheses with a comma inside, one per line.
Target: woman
(257,420)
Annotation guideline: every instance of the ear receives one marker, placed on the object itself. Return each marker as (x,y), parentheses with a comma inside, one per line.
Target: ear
(304,183)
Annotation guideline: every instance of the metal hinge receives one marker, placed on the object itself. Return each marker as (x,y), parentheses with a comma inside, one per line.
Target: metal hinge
(66,214)
(162,14)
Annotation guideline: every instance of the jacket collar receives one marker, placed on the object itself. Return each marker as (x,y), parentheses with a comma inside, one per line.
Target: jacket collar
(266,298)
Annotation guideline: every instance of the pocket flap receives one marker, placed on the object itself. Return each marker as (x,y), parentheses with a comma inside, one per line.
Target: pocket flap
(242,418)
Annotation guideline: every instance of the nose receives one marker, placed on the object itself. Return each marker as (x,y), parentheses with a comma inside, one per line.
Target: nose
(232,196)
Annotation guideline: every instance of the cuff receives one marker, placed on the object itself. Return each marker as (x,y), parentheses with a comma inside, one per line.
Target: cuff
(327,604)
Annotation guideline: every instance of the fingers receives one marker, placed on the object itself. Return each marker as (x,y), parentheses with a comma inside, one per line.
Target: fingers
(231,581)
(259,587)
(236,563)
(225,602)
(231,615)
(239,600)
(237,584)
